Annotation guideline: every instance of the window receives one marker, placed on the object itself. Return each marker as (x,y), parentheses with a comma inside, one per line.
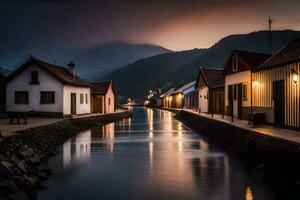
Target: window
(244,91)
(21,97)
(86,98)
(108,101)
(234,63)
(47,97)
(81,98)
(234,92)
(34,77)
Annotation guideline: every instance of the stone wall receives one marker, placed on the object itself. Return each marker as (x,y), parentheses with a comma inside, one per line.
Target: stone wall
(23,156)
(253,148)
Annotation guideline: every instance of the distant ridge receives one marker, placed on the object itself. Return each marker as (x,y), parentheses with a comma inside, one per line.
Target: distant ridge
(172,70)
(110,56)
(216,55)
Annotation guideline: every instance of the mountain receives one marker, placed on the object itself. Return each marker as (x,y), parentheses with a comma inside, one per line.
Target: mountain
(4,72)
(149,73)
(216,55)
(169,70)
(110,56)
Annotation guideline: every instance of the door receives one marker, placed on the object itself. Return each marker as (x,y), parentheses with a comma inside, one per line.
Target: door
(278,98)
(73,104)
(98,104)
(240,101)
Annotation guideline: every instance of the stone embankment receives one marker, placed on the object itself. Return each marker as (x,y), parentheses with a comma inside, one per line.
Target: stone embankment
(23,157)
(264,152)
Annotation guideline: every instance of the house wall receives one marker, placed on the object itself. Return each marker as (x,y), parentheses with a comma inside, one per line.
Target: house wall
(177,100)
(203,99)
(237,78)
(47,83)
(80,108)
(109,108)
(262,93)
(97,103)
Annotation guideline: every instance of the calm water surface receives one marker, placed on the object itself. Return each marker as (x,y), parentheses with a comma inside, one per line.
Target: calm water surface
(150,156)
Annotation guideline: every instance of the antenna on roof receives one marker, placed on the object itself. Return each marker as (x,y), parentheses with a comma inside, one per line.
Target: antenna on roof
(270,21)
(31,56)
(54,61)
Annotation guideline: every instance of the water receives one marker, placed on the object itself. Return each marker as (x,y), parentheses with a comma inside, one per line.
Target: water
(151,156)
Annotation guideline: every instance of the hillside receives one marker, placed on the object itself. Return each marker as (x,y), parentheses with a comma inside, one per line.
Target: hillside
(110,56)
(218,53)
(149,73)
(173,69)
(4,72)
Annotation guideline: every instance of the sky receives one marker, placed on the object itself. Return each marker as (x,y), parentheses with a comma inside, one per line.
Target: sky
(63,26)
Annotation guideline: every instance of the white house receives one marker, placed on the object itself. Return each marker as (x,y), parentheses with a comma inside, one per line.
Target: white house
(238,69)
(44,88)
(210,87)
(103,97)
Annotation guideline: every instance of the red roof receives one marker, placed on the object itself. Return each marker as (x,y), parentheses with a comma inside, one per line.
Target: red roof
(61,73)
(210,77)
(102,87)
(288,54)
(248,61)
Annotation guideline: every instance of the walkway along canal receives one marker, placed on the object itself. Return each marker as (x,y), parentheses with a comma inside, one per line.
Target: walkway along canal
(153,156)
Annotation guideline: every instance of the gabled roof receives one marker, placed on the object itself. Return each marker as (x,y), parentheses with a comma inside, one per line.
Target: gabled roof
(167,93)
(213,77)
(250,60)
(61,73)
(185,86)
(101,87)
(289,53)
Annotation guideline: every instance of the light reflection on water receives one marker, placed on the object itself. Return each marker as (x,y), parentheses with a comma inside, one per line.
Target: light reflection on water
(151,156)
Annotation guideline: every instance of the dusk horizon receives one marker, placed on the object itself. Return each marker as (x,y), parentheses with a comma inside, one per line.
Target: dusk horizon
(149,99)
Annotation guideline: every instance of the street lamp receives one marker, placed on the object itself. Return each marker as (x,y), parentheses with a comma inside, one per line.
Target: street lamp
(295,76)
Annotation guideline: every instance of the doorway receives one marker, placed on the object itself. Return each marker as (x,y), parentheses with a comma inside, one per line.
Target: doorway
(278,98)
(73,103)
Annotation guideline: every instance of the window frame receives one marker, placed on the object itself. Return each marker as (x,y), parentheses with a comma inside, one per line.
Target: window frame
(34,78)
(235,89)
(81,98)
(19,101)
(235,63)
(244,91)
(42,101)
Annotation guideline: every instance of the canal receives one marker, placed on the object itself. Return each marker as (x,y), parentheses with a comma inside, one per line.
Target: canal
(150,156)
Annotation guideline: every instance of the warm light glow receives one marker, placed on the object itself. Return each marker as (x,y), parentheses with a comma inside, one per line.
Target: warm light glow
(248,194)
(255,84)
(295,77)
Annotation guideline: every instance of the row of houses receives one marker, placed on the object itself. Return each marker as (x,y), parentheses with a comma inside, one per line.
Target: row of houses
(248,83)
(42,88)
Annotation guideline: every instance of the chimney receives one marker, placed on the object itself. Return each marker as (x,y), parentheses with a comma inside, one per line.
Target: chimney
(71,68)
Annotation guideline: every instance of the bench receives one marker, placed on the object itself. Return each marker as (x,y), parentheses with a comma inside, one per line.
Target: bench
(256,118)
(17,116)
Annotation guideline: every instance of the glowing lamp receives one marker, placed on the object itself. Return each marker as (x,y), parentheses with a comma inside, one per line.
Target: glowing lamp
(295,76)
(255,84)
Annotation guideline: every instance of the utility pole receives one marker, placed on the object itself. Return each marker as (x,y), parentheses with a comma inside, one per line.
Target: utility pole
(270,33)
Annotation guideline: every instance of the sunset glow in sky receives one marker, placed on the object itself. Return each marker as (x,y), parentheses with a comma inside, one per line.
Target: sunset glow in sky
(174,24)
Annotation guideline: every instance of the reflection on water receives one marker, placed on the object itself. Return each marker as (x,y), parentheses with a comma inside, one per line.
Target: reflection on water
(77,150)
(151,156)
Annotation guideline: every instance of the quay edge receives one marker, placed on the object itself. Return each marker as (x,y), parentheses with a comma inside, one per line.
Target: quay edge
(256,150)
(23,157)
